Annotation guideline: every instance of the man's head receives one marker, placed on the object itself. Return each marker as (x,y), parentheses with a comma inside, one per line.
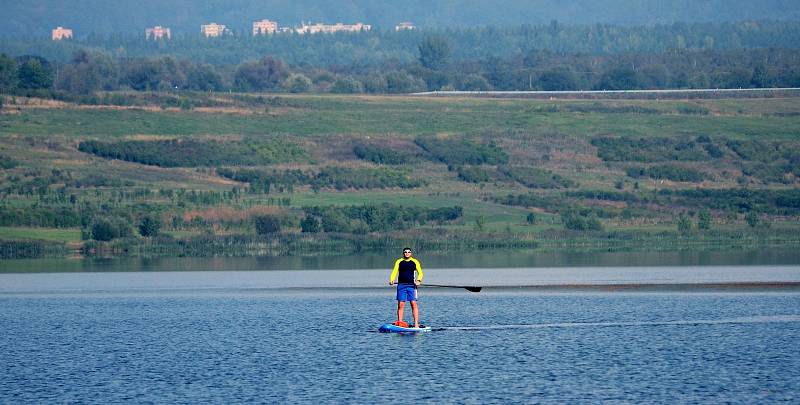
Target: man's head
(406,252)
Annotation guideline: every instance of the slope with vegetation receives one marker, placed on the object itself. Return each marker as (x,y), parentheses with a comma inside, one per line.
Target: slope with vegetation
(304,174)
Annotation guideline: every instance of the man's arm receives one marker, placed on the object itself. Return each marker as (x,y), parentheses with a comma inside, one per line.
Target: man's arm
(419,271)
(395,272)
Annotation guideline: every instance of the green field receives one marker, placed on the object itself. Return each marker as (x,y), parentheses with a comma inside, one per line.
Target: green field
(48,234)
(410,116)
(744,154)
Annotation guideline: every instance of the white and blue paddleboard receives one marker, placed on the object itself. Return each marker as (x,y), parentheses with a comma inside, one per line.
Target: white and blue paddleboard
(392,328)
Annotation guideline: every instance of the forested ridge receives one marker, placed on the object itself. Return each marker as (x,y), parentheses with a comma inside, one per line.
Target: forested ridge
(548,57)
(465,43)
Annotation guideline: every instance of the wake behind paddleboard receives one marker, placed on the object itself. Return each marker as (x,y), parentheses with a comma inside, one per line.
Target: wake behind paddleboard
(392,328)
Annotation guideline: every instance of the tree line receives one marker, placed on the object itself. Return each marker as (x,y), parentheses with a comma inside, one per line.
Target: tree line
(555,57)
(90,72)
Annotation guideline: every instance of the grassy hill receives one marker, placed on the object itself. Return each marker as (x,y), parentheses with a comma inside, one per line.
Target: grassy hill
(286,174)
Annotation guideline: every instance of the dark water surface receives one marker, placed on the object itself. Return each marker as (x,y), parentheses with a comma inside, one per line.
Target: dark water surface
(277,337)
(471,259)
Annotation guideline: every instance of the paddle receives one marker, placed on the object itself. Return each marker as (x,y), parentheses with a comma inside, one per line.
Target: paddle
(468,288)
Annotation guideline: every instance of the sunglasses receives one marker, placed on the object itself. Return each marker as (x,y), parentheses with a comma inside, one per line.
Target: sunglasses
(407,251)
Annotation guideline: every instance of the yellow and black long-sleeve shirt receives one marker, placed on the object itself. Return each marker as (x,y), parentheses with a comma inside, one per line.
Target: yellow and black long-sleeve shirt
(404,271)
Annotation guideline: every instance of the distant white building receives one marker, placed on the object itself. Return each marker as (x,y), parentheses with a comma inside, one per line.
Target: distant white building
(60,33)
(405,26)
(157,32)
(264,27)
(329,29)
(214,30)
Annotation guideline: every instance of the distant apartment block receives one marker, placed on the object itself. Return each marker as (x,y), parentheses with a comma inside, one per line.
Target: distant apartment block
(214,30)
(60,33)
(157,32)
(405,26)
(264,27)
(329,29)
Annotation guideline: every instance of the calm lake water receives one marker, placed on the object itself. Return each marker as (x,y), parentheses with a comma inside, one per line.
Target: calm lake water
(479,259)
(308,336)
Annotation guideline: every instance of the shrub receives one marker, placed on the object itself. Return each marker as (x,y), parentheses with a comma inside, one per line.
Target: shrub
(347,85)
(684,225)
(379,155)
(310,224)
(7,162)
(622,149)
(334,220)
(267,224)
(150,226)
(342,178)
(713,150)
(788,201)
(264,180)
(193,153)
(704,220)
(752,219)
(548,203)
(402,82)
(106,230)
(775,172)
(473,174)
(667,172)
(780,202)
(533,177)
(377,218)
(459,151)
(45,217)
(605,195)
(297,83)
(754,150)
(580,222)
(444,214)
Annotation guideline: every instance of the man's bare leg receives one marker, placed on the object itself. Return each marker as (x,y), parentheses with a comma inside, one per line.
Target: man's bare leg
(400,307)
(415,312)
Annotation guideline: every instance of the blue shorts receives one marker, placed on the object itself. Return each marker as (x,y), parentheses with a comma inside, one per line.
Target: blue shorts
(406,292)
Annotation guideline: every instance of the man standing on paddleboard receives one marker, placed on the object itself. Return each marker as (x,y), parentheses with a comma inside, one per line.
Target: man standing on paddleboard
(407,273)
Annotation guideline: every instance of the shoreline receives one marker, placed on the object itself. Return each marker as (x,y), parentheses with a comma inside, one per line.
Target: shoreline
(655,288)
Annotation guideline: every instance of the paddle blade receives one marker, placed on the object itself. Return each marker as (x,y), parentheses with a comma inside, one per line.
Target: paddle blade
(468,288)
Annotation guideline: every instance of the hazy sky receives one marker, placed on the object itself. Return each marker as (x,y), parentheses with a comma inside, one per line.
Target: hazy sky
(37,17)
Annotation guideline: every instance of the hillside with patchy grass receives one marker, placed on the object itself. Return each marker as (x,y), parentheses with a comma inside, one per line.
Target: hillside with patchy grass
(303,175)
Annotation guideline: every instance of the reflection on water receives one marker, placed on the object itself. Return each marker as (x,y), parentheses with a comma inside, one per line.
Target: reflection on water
(473,259)
(206,283)
(741,320)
